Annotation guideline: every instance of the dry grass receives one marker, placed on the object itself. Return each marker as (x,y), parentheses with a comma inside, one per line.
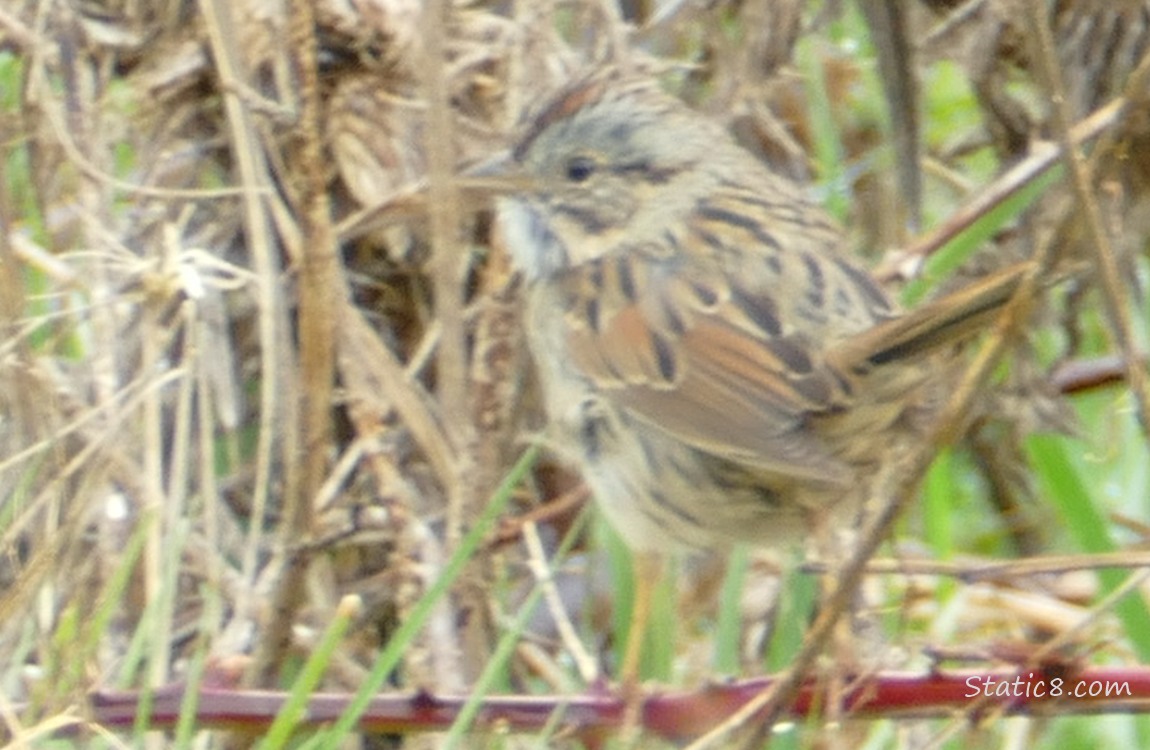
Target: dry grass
(259,354)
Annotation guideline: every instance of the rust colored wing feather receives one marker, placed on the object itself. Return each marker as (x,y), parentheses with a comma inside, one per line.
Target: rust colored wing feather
(720,388)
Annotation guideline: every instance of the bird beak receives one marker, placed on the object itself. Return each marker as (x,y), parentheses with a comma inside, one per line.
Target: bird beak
(495,165)
(477,185)
(499,174)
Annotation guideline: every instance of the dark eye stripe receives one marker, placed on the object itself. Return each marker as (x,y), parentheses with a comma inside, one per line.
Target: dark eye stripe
(643,170)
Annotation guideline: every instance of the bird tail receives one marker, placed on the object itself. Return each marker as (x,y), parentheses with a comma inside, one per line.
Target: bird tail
(946,320)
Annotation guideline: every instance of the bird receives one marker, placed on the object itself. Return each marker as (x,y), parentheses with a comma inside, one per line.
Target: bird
(712,359)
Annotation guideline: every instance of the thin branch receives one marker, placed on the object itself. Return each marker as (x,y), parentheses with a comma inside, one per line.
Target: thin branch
(906,263)
(1115,293)
(1053,689)
(251,164)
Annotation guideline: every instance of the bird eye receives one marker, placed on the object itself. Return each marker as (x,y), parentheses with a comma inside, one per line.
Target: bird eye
(579,168)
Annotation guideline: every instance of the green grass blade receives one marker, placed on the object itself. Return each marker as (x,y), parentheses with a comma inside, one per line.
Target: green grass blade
(1061,481)
(390,657)
(954,253)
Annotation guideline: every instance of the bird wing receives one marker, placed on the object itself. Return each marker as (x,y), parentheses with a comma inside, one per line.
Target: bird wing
(706,360)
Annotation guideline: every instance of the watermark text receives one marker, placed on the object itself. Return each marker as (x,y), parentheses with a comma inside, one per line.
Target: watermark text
(1031,686)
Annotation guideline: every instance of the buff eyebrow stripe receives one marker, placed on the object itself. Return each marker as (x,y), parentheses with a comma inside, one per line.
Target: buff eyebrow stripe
(742,221)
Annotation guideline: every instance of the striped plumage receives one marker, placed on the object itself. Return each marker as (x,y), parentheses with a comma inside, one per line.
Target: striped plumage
(696,326)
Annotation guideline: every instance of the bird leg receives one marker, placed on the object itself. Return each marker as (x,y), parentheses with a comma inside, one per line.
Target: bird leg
(647,570)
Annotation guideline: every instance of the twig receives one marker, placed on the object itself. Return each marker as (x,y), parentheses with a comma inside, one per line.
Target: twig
(276,402)
(1115,294)
(980,570)
(1086,374)
(447,279)
(537,559)
(906,263)
(678,716)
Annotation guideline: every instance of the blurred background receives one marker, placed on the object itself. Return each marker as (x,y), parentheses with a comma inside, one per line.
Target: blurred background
(260,351)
